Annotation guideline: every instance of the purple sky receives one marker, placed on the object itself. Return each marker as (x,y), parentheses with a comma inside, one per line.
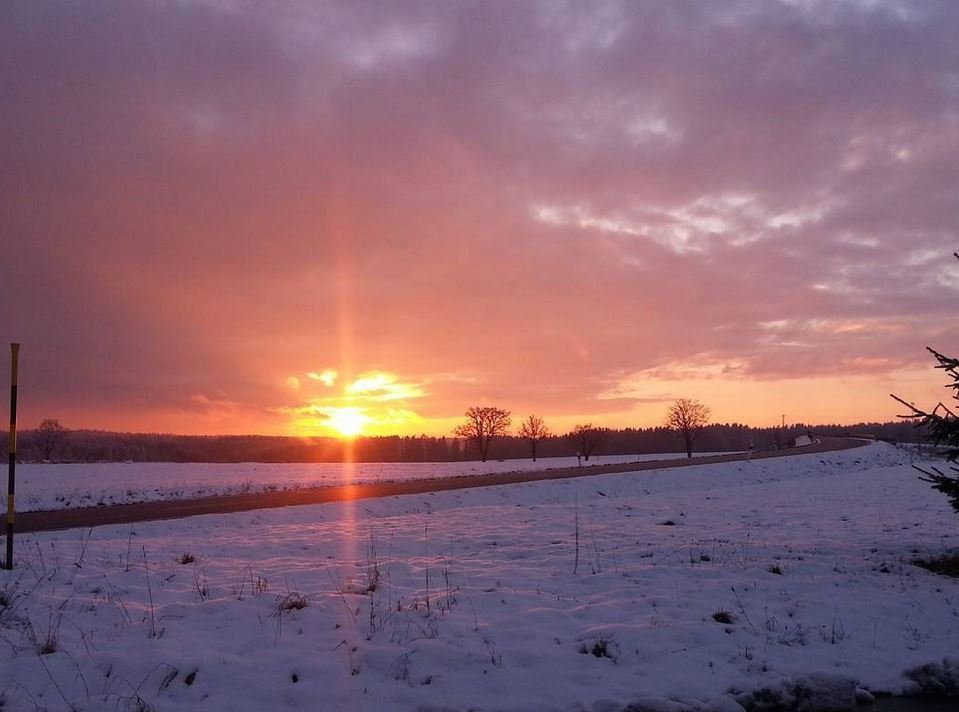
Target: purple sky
(582,210)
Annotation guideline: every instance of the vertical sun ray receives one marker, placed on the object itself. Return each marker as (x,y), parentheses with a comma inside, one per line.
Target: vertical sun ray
(340,229)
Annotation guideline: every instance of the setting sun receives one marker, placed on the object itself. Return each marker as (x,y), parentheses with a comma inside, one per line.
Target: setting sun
(347,422)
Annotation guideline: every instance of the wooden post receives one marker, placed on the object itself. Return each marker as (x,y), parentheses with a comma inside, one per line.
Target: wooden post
(12,469)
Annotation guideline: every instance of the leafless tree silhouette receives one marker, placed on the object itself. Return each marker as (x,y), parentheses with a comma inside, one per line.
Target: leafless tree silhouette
(50,435)
(482,425)
(587,438)
(533,429)
(687,417)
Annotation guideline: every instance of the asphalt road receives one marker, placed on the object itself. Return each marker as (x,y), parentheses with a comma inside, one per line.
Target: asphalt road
(151,511)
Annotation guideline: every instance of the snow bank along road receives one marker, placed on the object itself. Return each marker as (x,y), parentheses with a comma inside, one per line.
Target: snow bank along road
(147,511)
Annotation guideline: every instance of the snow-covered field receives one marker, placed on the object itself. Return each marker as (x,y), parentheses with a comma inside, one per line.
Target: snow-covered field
(582,594)
(46,486)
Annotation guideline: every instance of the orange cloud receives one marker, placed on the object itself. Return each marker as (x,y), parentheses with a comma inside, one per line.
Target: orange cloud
(380,386)
(580,230)
(327,377)
(358,408)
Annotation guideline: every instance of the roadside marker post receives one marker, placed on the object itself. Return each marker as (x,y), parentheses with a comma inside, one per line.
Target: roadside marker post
(12,468)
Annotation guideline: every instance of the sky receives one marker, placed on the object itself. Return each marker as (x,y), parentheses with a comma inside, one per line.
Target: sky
(306,218)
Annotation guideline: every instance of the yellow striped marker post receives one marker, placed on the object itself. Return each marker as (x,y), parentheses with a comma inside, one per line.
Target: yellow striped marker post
(12,471)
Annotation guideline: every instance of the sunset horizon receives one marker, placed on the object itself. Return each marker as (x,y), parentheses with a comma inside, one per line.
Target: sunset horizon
(464,355)
(366,218)
(341,417)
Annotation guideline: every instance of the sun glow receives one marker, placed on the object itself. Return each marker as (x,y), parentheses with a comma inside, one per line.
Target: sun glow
(369,404)
(347,422)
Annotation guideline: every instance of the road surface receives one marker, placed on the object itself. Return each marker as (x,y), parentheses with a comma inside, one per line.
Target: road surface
(151,511)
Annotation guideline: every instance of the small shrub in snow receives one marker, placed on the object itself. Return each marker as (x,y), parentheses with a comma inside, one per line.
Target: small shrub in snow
(793,635)
(810,693)
(946,565)
(724,617)
(185,558)
(258,584)
(836,633)
(372,567)
(494,656)
(940,679)
(137,704)
(45,642)
(201,586)
(292,601)
(9,592)
(600,648)
(775,569)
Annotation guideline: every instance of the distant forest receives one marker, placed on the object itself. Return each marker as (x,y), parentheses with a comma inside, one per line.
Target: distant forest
(100,446)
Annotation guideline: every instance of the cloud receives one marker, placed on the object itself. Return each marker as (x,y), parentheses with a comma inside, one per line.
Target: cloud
(327,377)
(379,386)
(548,198)
(373,403)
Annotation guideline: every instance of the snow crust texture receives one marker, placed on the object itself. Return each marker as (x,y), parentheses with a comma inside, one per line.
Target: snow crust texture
(772,584)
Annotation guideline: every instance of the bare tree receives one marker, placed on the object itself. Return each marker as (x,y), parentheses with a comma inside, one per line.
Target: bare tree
(587,438)
(532,431)
(50,435)
(482,425)
(687,417)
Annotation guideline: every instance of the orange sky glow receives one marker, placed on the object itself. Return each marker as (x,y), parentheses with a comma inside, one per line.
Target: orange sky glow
(363,218)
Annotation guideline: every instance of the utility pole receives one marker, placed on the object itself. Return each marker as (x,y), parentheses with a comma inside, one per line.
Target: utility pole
(784,421)
(12,467)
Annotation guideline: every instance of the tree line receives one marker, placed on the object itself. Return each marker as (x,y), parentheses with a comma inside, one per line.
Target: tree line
(485,423)
(58,444)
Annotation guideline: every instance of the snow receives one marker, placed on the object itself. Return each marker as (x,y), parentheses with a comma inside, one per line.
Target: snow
(468,599)
(42,486)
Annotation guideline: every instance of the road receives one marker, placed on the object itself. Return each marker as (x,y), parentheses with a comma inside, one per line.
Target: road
(152,511)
